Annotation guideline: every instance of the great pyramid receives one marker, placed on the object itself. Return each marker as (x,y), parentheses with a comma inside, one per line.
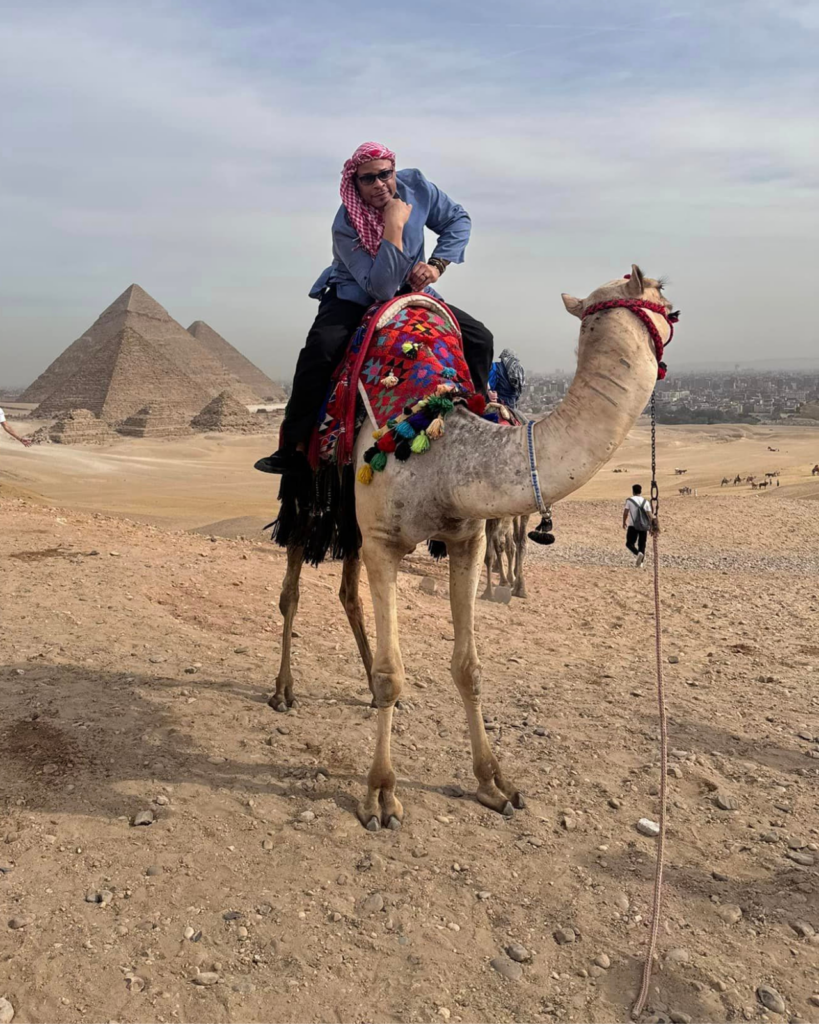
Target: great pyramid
(232,359)
(225,413)
(114,379)
(138,312)
(156,419)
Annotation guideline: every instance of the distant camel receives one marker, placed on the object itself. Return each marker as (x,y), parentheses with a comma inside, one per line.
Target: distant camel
(772,449)
(725,482)
(815,470)
(762,484)
(769,475)
(679,472)
(686,490)
(737,479)
(749,479)
(754,485)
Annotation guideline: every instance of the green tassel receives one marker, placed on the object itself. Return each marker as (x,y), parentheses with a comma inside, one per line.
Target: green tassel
(378,462)
(420,443)
(439,405)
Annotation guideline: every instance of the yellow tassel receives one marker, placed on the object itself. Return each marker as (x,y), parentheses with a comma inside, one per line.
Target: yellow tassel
(389,381)
(420,443)
(378,434)
(435,429)
(365,475)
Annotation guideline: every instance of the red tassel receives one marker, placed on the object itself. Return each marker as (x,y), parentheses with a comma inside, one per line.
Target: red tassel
(386,443)
(476,404)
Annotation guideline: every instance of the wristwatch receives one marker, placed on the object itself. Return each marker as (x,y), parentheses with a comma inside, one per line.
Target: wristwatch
(439,264)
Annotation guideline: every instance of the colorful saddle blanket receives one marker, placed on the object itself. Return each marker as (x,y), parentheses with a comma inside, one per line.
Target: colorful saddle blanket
(405,351)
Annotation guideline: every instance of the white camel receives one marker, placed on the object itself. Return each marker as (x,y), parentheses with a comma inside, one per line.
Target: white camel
(478,471)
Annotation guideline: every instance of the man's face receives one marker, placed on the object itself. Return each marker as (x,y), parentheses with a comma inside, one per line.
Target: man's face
(372,189)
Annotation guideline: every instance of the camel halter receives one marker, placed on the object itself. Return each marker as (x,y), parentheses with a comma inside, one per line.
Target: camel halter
(638,307)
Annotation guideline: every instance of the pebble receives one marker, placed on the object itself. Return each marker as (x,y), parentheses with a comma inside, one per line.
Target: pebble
(673,659)
(20,922)
(730,913)
(6,1011)
(232,915)
(282,730)
(814,999)
(206,978)
(267,844)
(615,804)
(622,902)
(144,818)
(518,953)
(103,896)
(240,650)
(152,870)
(679,1018)
(484,894)
(242,932)
(540,731)
(725,802)
(678,955)
(506,968)
(769,837)
(135,983)
(770,999)
(675,772)
(444,1012)
(568,822)
(795,843)
(162,800)
(188,932)
(647,827)
(372,904)
(563,936)
(602,961)
(307,816)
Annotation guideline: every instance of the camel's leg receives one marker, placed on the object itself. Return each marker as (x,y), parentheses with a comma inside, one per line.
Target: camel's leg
(381,806)
(282,699)
(489,557)
(464,571)
(509,547)
(521,528)
(351,600)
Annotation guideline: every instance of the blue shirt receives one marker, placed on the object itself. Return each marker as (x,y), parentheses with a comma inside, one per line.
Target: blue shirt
(365,279)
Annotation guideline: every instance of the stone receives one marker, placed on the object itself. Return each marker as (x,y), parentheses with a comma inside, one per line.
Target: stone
(372,904)
(162,800)
(144,818)
(520,954)
(282,730)
(188,932)
(540,731)
(568,822)
(796,843)
(20,922)
(770,999)
(675,772)
(602,961)
(622,902)
(564,936)
(484,894)
(647,827)
(103,896)
(506,968)
(232,915)
(135,984)
(428,585)
(206,978)
(805,859)
(267,844)
(614,803)
(673,659)
(678,955)
(6,1011)
(725,802)
(502,595)
(244,988)
(730,913)
(814,999)
(153,870)
(803,929)
(679,1018)
(307,816)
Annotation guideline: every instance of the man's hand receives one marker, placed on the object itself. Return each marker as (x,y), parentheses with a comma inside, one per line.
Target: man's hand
(397,213)
(422,275)
(25,441)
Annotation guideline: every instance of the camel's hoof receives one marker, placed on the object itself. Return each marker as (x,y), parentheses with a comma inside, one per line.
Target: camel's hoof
(398,705)
(486,596)
(394,824)
(520,593)
(508,810)
(278,704)
(518,802)
(373,825)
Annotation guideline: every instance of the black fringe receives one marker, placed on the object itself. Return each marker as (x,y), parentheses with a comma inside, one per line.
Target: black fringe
(437,548)
(317,512)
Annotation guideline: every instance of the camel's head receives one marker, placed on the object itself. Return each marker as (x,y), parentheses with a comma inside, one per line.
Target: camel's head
(634,286)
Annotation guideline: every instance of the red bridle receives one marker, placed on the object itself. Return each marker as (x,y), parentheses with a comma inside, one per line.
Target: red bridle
(637,307)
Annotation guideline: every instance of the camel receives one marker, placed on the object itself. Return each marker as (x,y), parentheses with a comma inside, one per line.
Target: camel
(737,479)
(477,471)
(506,536)
(685,490)
(815,470)
(749,479)
(680,472)
(725,482)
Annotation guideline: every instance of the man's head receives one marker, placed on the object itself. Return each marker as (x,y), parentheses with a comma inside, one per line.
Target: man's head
(375,181)
(636,489)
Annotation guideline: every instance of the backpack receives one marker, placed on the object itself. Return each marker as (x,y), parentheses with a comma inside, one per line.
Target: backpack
(642,520)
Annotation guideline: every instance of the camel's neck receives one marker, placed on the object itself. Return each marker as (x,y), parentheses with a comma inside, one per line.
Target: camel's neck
(615,376)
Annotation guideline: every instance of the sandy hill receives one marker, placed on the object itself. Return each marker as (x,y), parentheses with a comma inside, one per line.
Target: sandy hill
(137,310)
(233,360)
(226,413)
(114,380)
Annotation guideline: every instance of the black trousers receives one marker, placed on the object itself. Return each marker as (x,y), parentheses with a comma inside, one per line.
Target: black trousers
(636,540)
(326,344)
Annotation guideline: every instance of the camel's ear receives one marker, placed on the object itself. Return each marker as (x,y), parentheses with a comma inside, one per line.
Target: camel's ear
(573,305)
(635,282)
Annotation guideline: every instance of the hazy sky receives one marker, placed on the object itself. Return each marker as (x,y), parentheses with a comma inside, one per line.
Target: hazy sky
(195,149)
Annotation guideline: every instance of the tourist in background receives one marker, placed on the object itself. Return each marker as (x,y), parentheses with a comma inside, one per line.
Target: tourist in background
(638,520)
(24,441)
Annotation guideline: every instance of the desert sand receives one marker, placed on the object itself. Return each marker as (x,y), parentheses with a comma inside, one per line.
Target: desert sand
(140,644)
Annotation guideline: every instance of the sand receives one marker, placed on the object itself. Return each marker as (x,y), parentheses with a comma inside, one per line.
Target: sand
(137,660)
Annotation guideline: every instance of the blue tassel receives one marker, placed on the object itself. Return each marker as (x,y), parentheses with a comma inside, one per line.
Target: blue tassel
(420,420)
(448,372)
(405,430)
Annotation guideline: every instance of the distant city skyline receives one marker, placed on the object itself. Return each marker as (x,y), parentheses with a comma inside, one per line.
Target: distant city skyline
(195,149)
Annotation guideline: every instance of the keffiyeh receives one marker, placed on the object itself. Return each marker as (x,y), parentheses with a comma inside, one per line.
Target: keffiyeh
(367,221)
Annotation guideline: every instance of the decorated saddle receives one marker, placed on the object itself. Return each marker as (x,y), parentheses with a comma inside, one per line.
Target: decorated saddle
(406,365)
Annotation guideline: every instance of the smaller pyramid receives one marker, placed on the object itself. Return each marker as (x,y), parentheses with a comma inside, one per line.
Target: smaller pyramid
(156,419)
(237,364)
(226,413)
(80,426)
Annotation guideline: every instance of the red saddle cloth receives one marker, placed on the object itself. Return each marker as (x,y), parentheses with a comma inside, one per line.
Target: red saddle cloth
(406,351)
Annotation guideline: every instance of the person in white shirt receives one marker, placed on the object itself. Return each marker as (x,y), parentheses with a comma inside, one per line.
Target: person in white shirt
(24,441)
(638,520)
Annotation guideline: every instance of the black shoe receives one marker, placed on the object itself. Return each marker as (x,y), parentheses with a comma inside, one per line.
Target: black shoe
(284,461)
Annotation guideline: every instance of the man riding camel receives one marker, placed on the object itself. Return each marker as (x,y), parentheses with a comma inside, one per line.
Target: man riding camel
(378,252)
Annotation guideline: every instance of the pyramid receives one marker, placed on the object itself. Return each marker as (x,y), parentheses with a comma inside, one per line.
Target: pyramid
(156,419)
(233,360)
(115,378)
(79,427)
(226,413)
(137,311)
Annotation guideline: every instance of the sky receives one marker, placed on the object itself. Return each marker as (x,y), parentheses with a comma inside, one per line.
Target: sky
(195,148)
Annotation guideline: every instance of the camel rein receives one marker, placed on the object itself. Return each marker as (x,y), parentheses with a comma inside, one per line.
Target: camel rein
(638,307)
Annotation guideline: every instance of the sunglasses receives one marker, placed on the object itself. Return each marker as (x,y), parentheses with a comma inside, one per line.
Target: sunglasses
(370,179)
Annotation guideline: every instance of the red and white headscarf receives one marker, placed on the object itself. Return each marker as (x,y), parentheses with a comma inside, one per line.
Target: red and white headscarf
(367,221)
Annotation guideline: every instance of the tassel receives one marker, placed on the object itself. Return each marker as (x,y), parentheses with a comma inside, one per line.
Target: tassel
(365,475)
(448,372)
(379,433)
(378,462)
(444,389)
(419,420)
(476,404)
(389,381)
(435,429)
(403,450)
(387,443)
(368,455)
(439,406)
(405,431)
(420,444)
(410,350)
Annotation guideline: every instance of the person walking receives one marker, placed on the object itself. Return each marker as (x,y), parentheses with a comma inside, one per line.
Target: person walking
(24,441)
(638,520)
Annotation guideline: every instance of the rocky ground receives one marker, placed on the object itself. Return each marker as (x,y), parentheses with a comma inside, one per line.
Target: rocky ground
(136,666)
